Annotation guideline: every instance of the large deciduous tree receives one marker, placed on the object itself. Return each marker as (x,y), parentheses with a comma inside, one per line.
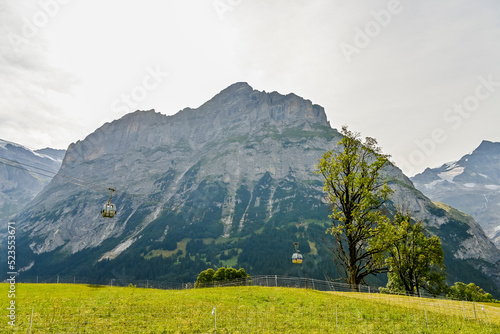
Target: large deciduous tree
(415,260)
(356,193)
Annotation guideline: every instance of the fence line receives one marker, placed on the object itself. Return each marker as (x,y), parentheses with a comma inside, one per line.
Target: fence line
(119,282)
(260,280)
(59,316)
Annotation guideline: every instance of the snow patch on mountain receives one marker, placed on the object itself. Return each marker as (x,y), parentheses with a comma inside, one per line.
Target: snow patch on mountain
(452,172)
(473,186)
(432,184)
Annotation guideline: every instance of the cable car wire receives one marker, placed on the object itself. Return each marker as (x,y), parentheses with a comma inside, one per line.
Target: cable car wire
(66,178)
(70,179)
(24,169)
(39,162)
(79,182)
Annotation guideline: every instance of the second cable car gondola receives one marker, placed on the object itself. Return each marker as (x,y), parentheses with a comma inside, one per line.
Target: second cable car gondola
(296,257)
(109,209)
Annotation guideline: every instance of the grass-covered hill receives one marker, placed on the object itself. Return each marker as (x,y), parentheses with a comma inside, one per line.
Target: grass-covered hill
(70,308)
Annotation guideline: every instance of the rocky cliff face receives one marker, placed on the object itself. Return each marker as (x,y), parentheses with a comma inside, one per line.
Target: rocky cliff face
(229,183)
(235,139)
(471,184)
(23,174)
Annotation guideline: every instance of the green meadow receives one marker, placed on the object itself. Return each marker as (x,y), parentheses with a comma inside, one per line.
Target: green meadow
(77,308)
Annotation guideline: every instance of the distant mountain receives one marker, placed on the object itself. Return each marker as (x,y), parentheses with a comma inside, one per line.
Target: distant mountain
(54,154)
(471,184)
(23,174)
(229,183)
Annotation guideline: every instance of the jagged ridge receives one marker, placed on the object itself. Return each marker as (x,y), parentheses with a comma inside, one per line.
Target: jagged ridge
(471,184)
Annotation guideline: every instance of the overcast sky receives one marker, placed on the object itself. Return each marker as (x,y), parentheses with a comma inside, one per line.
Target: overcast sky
(422,77)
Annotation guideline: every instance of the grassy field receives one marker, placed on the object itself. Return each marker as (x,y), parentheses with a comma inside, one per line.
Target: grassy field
(69,308)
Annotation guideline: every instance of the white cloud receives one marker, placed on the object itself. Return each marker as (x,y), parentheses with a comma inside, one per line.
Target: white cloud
(29,85)
(396,89)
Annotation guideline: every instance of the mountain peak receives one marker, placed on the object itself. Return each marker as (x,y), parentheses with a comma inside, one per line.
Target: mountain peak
(234,92)
(236,110)
(487,145)
(470,184)
(238,86)
(239,102)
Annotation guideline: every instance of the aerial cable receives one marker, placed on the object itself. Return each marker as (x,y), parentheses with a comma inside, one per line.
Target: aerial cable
(109,209)
(24,169)
(80,182)
(39,163)
(66,178)
(19,166)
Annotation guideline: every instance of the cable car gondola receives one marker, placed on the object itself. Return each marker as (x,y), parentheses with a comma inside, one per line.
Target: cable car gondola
(109,209)
(297,257)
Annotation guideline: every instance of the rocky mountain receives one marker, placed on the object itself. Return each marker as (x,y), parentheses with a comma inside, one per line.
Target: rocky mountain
(471,184)
(229,183)
(23,174)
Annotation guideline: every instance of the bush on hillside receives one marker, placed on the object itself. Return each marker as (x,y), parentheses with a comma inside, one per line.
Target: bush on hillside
(210,276)
(469,292)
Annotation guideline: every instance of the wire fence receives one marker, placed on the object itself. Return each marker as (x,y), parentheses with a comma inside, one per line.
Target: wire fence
(260,280)
(91,314)
(116,281)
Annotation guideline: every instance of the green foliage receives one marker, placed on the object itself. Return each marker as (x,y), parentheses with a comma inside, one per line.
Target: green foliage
(220,275)
(356,194)
(469,292)
(415,260)
(205,277)
(436,210)
(209,276)
(466,271)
